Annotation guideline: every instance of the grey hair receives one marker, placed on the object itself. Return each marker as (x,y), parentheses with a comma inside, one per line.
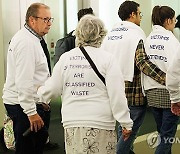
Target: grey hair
(33,10)
(90,31)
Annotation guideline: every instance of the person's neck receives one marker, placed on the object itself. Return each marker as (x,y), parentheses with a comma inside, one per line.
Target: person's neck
(30,29)
(130,20)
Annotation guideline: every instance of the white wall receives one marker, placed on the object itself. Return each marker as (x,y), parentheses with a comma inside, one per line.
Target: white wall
(175,4)
(95,4)
(147,6)
(11,21)
(86,3)
(54,33)
(9,25)
(108,12)
(12,17)
(72,20)
(1,68)
(23,5)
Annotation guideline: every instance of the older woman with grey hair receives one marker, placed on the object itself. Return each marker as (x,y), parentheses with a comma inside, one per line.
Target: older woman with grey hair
(90,32)
(90,107)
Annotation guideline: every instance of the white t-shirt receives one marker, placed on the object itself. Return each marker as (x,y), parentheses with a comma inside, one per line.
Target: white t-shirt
(161,46)
(86,101)
(122,42)
(27,69)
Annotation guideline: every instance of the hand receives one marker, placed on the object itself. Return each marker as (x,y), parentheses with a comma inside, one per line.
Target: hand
(46,107)
(175,108)
(36,123)
(126,133)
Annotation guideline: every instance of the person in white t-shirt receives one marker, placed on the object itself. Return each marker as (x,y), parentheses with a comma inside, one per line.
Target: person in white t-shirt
(161,46)
(27,68)
(126,42)
(90,107)
(173,75)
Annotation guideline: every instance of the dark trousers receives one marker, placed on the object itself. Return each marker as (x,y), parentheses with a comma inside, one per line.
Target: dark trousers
(137,114)
(166,123)
(47,118)
(32,143)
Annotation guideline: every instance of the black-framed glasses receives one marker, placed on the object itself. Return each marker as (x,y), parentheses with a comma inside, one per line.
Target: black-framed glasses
(46,20)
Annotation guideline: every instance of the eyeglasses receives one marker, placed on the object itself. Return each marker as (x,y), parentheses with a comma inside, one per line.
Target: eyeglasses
(140,14)
(46,20)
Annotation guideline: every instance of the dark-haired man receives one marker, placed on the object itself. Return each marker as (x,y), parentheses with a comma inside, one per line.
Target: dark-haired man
(125,41)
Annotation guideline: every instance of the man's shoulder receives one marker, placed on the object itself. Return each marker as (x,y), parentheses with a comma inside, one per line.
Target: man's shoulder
(20,39)
(64,44)
(68,40)
(24,36)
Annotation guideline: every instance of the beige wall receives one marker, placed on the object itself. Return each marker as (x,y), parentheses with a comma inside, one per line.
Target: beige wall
(175,4)
(146,20)
(1,68)
(54,33)
(145,7)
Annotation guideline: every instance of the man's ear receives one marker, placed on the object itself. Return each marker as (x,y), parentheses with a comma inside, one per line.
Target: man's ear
(133,14)
(31,20)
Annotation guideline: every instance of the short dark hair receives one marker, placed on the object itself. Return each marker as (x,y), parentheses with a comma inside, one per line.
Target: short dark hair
(126,9)
(161,13)
(83,12)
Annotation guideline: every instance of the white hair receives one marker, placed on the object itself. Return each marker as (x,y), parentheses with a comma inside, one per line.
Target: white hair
(90,31)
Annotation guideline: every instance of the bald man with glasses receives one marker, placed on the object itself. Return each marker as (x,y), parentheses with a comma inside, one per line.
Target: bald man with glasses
(28,67)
